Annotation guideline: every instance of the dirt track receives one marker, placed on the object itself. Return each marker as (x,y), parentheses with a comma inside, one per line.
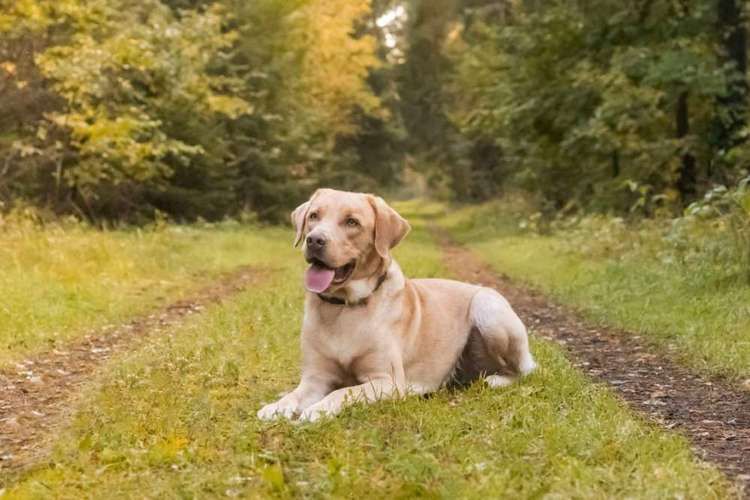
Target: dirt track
(711,413)
(35,394)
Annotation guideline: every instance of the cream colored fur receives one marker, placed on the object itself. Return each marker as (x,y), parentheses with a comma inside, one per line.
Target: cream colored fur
(409,337)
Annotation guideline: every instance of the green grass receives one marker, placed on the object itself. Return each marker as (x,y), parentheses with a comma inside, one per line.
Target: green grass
(628,278)
(59,281)
(177,419)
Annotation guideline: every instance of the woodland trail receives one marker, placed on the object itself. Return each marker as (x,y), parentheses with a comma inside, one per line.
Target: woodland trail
(713,414)
(36,394)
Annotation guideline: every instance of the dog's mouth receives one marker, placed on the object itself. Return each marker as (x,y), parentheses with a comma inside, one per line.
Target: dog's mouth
(319,277)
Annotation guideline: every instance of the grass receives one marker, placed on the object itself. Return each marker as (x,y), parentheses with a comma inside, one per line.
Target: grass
(626,277)
(177,419)
(61,280)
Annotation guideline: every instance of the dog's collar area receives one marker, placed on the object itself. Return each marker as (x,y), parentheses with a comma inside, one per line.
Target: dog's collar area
(341,302)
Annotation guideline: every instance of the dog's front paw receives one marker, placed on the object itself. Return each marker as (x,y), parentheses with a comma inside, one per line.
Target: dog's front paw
(314,413)
(279,409)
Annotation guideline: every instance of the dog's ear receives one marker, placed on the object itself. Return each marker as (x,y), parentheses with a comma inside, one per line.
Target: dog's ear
(390,227)
(299,218)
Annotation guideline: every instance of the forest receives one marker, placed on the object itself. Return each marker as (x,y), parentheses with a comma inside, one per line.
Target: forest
(120,110)
(589,160)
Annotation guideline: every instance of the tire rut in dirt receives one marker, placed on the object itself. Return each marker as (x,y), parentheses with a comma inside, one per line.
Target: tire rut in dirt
(710,412)
(36,394)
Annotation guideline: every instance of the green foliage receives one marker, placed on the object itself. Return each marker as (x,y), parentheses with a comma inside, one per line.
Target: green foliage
(581,101)
(728,211)
(120,77)
(191,108)
(423,104)
(679,282)
(317,111)
(203,108)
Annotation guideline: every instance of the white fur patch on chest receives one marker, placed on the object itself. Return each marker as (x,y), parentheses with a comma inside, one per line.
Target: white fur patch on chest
(359,289)
(345,333)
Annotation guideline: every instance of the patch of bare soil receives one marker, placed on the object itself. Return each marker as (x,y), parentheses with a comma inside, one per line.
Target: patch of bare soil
(712,413)
(35,394)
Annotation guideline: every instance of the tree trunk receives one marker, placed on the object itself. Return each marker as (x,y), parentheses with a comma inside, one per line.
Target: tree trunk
(615,164)
(687,181)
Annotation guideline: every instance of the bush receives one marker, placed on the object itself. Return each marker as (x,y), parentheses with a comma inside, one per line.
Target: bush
(729,212)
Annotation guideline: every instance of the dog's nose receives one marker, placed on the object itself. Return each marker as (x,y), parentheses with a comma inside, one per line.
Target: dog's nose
(316,242)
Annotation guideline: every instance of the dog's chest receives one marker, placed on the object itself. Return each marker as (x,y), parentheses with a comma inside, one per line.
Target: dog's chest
(346,337)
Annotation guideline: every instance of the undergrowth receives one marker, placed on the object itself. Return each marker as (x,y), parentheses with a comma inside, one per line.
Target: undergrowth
(680,282)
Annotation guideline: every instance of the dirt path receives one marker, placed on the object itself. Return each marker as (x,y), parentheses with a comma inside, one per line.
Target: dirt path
(35,394)
(712,414)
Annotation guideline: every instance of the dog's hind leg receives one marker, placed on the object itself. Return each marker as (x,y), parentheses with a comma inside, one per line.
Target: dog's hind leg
(502,338)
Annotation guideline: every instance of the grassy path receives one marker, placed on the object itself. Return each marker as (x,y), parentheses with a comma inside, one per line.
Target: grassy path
(59,283)
(691,310)
(713,414)
(37,393)
(175,418)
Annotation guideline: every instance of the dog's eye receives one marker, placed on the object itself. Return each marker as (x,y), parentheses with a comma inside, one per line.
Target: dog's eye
(313,216)
(352,222)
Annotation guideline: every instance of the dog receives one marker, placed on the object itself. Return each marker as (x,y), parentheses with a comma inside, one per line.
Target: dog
(369,333)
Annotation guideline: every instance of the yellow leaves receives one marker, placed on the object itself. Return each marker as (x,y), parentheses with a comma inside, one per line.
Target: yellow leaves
(8,67)
(336,64)
(140,86)
(38,15)
(9,70)
(230,106)
(104,129)
(128,146)
(27,12)
(120,78)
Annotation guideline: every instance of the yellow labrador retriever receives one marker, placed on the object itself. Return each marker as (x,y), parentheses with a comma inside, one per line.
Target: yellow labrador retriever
(370,333)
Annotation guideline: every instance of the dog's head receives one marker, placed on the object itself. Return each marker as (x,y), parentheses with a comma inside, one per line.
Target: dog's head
(346,236)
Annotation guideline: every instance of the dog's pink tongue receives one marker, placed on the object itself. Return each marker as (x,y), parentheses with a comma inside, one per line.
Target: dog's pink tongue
(318,279)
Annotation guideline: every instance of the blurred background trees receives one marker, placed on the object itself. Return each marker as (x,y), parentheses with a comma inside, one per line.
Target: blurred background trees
(122,109)
(605,105)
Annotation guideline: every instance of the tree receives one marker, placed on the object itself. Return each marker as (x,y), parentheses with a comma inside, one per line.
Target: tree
(196,108)
(603,107)
(731,113)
